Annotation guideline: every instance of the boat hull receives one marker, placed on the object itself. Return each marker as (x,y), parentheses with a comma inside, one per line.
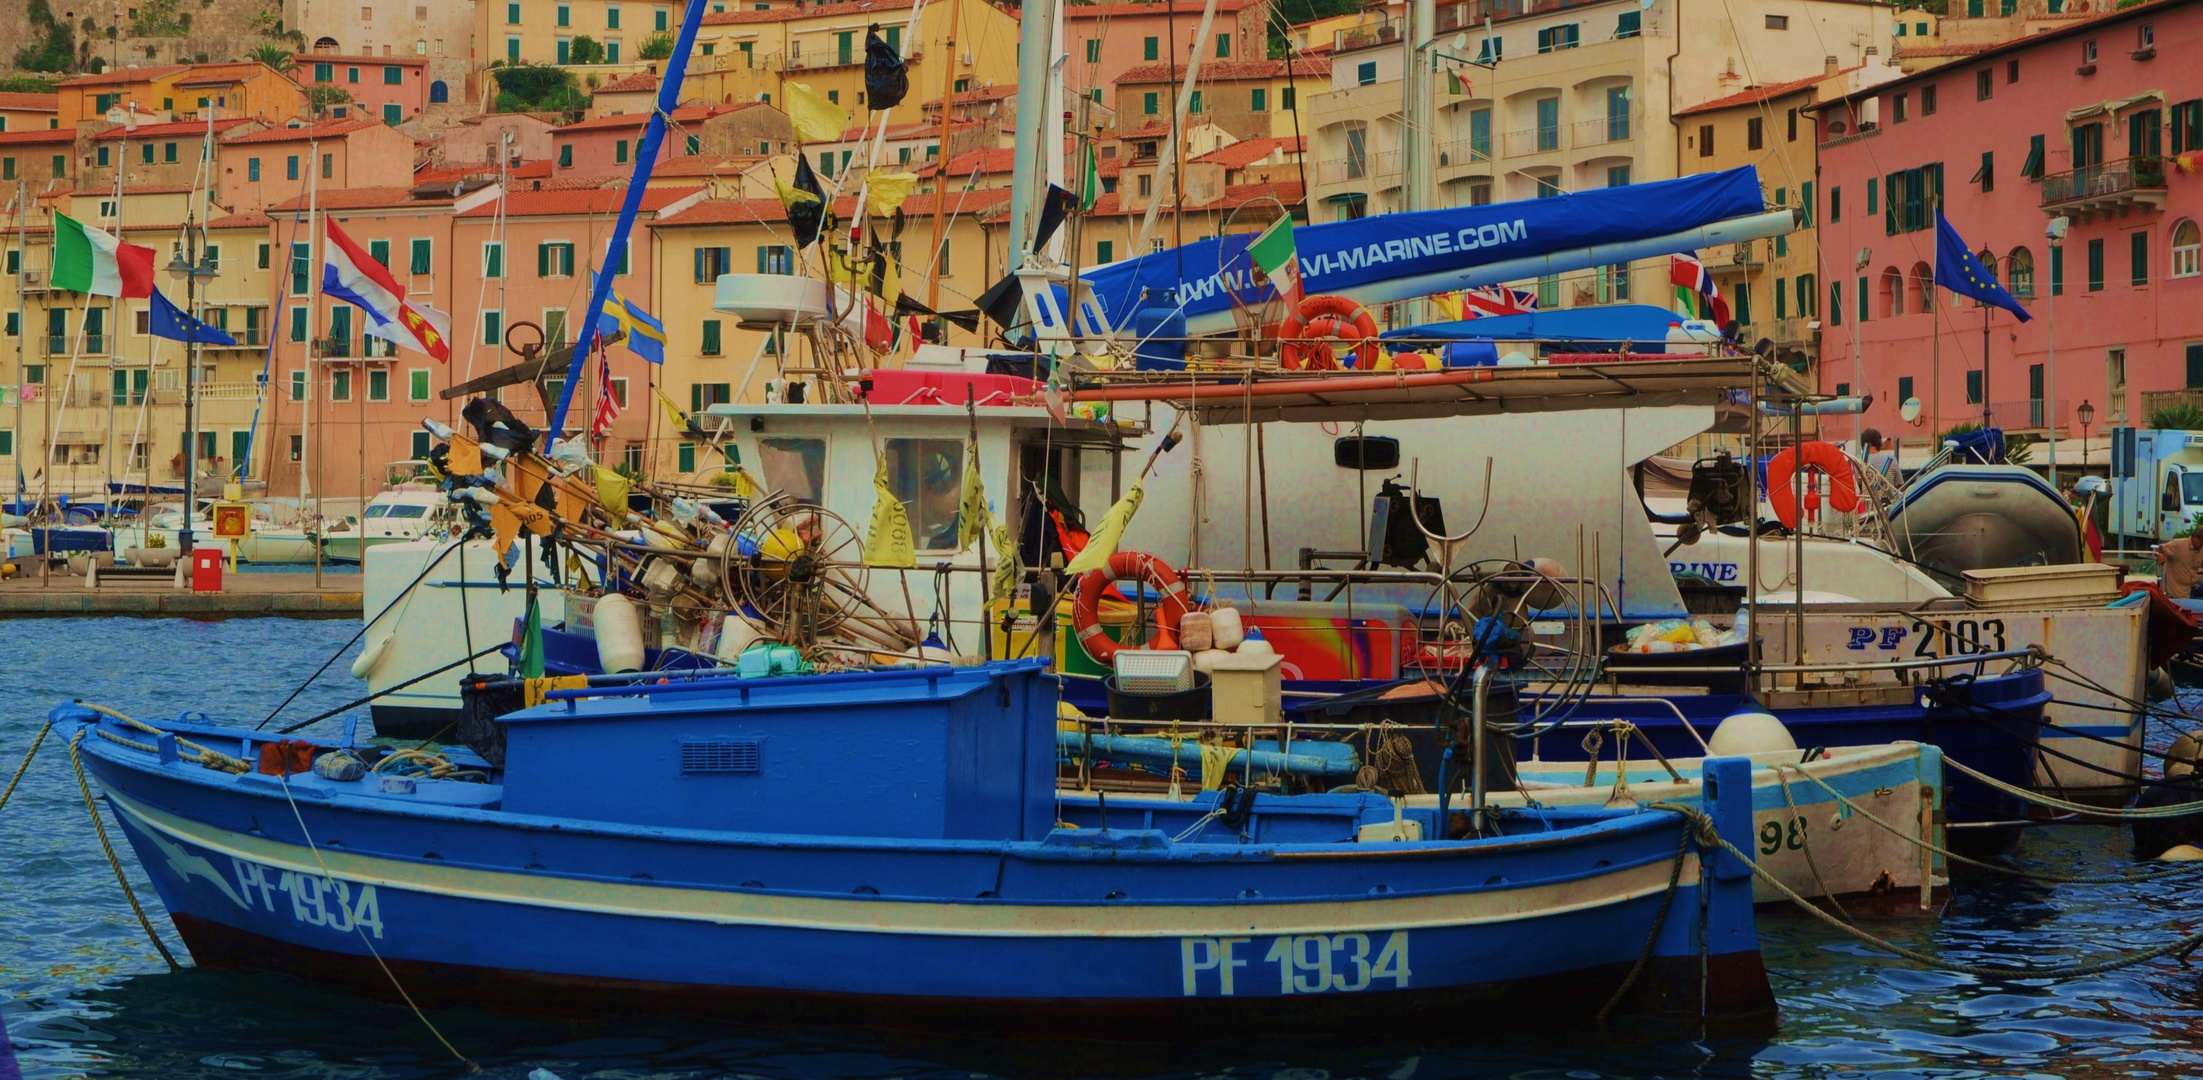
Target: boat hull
(469,905)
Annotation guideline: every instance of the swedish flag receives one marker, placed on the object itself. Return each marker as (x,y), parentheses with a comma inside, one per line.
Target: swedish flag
(645,335)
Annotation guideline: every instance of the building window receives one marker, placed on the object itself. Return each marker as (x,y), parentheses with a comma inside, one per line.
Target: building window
(2138,256)
(1927,100)
(340,382)
(418,257)
(493,260)
(1898,104)
(702,396)
(252,170)
(1548,120)
(1617,176)
(2031,169)
(1093,50)
(1151,49)
(1554,38)
(1480,134)
(2021,273)
(493,327)
(1835,303)
(1149,103)
(2095,266)
(298,324)
(2187,126)
(1258,99)
(1778,22)
(2088,51)
(1105,251)
(1754,134)
(1365,73)
(2187,249)
(710,262)
(378,385)
(565,15)
(1705,140)
(711,345)
(554,259)
(611,18)
(1223,46)
(1835,205)
(1973,387)
(1986,175)
(1617,114)
(1984,85)
(2057,270)
(1193,103)
(1286,98)
(779,259)
(416,381)
(298,442)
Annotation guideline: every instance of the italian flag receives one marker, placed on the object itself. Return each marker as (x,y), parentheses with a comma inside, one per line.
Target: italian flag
(89,260)
(1274,252)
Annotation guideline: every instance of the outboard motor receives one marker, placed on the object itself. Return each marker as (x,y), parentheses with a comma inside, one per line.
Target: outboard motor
(1393,538)
(1718,496)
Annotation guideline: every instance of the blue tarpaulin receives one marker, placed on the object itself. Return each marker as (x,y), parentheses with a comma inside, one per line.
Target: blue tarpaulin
(1213,275)
(1643,326)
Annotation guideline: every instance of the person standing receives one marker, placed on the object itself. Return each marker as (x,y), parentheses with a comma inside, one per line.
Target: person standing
(2180,562)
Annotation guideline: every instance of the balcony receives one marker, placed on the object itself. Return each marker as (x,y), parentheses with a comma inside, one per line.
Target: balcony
(1527,141)
(1462,152)
(1362,37)
(2113,187)
(1601,130)
(2153,400)
(1743,254)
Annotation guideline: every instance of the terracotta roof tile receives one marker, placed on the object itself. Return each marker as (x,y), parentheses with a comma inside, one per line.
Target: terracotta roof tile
(124,75)
(326,129)
(639,82)
(51,136)
(303,59)
(527,170)
(705,165)
(1939,50)
(1177,7)
(250,219)
(161,131)
(1237,195)
(363,199)
(19,102)
(769,211)
(1758,94)
(1225,70)
(600,200)
(202,74)
(1246,152)
(687,114)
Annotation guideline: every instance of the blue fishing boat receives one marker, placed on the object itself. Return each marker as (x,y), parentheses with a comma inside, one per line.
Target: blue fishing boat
(889,848)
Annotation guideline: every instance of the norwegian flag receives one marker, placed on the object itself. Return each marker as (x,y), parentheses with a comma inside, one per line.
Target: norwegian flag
(1497,300)
(608,406)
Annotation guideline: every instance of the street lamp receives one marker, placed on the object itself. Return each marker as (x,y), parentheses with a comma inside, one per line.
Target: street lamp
(2086,414)
(190,267)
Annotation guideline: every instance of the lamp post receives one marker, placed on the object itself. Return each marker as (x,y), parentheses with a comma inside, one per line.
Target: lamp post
(190,266)
(2055,233)
(2086,414)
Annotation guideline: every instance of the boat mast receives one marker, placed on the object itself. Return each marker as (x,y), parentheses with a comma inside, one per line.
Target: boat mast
(1416,111)
(941,164)
(22,320)
(1034,34)
(308,444)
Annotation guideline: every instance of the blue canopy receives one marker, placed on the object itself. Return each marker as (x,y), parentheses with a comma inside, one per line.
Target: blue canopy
(1643,325)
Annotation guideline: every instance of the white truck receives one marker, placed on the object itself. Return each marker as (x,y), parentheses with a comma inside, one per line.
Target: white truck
(2156,485)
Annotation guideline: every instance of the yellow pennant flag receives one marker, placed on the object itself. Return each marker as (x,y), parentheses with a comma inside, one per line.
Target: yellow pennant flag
(888,543)
(816,119)
(884,191)
(1448,304)
(611,489)
(1006,569)
(792,197)
(673,412)
(1102,542)
(971,512)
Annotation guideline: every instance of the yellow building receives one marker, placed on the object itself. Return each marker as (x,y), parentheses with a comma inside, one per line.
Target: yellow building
(1772,285)
(543,31)
(248,89)
(109,392)
(752,50)
(709,358)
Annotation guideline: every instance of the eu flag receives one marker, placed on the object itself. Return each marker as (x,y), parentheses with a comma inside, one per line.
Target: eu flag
(171,322)
(1956,269)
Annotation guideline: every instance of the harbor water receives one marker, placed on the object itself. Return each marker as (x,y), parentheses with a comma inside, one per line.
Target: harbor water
(84,994)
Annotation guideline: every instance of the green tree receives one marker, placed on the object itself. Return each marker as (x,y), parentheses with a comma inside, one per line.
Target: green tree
(656,47)
(53,43)
(321,97)
(531,88)
(585,50)
(2180,416)
(273,55)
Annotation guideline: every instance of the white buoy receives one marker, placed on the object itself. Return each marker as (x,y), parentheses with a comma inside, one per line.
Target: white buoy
(619,634)
(1226,630)
(1751,729)
(736,635)
(371,656)
(1205,660)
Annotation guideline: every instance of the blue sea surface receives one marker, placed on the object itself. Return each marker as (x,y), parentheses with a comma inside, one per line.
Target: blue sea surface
(84,994)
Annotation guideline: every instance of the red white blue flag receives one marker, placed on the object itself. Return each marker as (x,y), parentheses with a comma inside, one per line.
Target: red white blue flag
(350,274)
(1497,300)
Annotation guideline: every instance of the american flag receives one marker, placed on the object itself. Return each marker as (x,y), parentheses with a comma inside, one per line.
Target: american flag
(608,406)
(1497,300)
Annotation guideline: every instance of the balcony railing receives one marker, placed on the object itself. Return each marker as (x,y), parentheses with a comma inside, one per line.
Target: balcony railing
(1361,37)
(1600,130)
(1463,152)
(1537,140)
(2153,400)
(2111,185)
(61,344)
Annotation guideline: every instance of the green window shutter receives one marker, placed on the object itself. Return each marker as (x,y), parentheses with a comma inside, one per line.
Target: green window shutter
(2138,253)
(543,260)
(420,256)
(298,324)
(1151,49)
(1873,186)
(694,144)
(417,386)
(379,250)
(493,260)
(619,152)
(688,457)
(1805,202)
(695,398)
(711,337)
(1148,103)
(1259,99)
(493,327)
(566,156)
(393,75)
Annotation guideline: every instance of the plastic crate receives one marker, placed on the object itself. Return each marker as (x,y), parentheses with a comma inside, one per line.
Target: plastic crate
(1154,671)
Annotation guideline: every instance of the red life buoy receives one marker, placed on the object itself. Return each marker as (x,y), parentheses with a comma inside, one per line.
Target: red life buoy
(1782,474)
(1306,336)
(1149,570)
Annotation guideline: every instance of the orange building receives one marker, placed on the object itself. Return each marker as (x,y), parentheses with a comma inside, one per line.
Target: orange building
(29,112)
(258,170)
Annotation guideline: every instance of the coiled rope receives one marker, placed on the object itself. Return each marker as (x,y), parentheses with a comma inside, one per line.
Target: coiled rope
(192,752)
(1708,835)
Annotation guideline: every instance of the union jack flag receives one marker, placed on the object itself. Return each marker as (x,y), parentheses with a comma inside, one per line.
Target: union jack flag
(608,406)
(1497,300)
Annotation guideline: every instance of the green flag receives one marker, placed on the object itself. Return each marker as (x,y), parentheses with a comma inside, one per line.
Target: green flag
(531,645)
(1091,193)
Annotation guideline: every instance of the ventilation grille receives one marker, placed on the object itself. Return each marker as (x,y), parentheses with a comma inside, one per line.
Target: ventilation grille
(719,756)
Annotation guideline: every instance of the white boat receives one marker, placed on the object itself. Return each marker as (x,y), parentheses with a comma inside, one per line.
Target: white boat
(278,534)
(458,608)
(407,511)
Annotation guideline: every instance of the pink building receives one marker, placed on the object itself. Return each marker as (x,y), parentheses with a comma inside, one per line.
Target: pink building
(1106,40)
(392,89)
(2098,124)
(538,268)
(606,145)
(341,418)
(267,167)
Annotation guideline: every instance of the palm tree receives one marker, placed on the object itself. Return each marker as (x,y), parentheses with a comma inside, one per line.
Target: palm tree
(275,56)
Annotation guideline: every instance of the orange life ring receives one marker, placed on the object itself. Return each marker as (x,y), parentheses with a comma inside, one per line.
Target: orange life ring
(1306,336)
(1149,570)
(1782,474)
